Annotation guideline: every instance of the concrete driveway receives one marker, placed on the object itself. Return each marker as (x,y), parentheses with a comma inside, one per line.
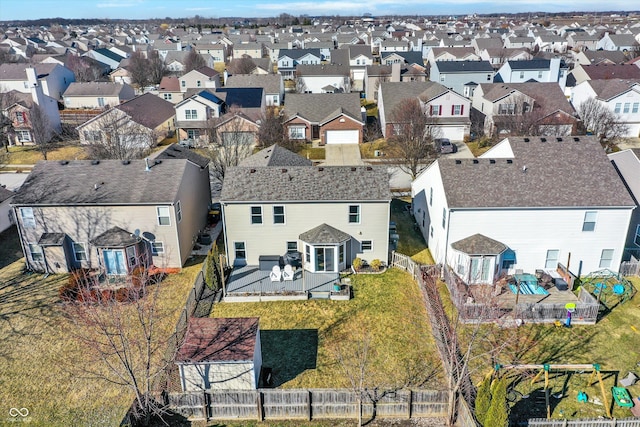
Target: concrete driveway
(342,155)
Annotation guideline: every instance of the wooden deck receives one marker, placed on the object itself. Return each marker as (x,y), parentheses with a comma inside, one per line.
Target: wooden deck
(507,299)
(250,279)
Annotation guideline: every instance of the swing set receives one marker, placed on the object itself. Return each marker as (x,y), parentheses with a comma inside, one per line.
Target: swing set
(548,367)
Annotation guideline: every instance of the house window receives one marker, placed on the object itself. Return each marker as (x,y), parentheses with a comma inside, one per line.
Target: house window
(444,217)
(183,83)
(179,211)
(278,214)
(157,248)
(634,110)
(240,250)
(636,239)
(23,135)
(606,258)
(435,110)
(36,252)
(167,96)
(354,214)
(431,230)
(552,258)
(307,253)
(191,114)
(539,74)
(28,220)
(506,109)
(100,102)
(131,256)
(21,117)
(617,108)
(457,110)
(589,223)
(193,133)
(292,247)
(163,215)
(431,196)
(79,252)
(367,245)
(460,265)
(296,132)
(256,214)
(92,136)
(522,74)
(627,107)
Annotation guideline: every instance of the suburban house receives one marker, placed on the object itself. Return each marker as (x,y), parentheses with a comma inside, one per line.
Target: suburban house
(252,50)
(596,57)
(6,213)
(203,77)
(627,163)
(94,95)
(272,211)
(452,54)
(329,78)
(359,59)
(220,354)
(105,56)
(448,110)
(619,95)
(289,59)
(272,84)
(235,128)
(476,215)
(54,78)
(461,76)
(551,43)
(141,122)
(169,89)
(334,118)
(539,70)
(622,42)
(498,56)
(541,108)
(581,72)
(583,41)
(258,66)
(112,215)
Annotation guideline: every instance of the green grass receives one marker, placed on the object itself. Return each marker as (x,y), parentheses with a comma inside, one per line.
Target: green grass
(29,154)
(372,107)
(368,149)
(39,359)
(300,338)
(475,148)
(411,241)
(312,153)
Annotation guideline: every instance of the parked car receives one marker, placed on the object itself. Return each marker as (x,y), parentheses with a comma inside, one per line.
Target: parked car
(187,143)
(445,146)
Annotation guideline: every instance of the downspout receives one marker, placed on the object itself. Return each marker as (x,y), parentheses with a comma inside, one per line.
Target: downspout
(226,236)
(446,245)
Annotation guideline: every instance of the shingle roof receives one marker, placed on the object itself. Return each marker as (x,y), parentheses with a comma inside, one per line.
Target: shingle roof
(324,234)
(612,71)
(464,66)
(270,82)
(51,239)
(170,84)
(548,96)
(395,92)
(298,53)
(74,182)
(5,194)
(219,340)
(115,237)
(479,244)
(275,156)
(10,71)
(94,89)
(149,110)
(610,88)
(304,183)
(549,178)
(323,70)
(174,151)
(533,64)
(109,54)
(244,97)
(316,107)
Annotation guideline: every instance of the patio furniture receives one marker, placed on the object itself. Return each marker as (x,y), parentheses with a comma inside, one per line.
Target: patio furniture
(287,273)
(267,262)
(276,274)
(629,380)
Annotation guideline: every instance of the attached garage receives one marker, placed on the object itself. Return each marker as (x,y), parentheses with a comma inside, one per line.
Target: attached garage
(454,133)
(342,136)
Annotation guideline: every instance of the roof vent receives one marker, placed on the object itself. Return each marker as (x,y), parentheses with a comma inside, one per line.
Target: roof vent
(576,139)
(146,163)
(64,162)
(559,139)
(475,161)
(320,169)
(252,171)
(126,162)
(543,139)
(509,161)
(526,140)
(284,170)
(369,168)
(492,161)
(458,162)
(353,169)
(95,162)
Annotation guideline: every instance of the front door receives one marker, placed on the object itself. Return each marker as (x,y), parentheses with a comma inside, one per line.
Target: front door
(325,259)
(114,261)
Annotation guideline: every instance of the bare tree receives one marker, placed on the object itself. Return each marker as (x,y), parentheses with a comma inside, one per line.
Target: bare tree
(300,85)
(372,131)
(124,335)
(139,70)
(414,134)
(523,116)
(193,61)
(600,120)
(113,135)
(83,69)
(229,142)
(7,99)
(272,129)
(157,68)
(243,65)
(41,129)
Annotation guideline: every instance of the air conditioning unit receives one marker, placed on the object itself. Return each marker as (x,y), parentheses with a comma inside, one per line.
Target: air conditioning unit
(377,153)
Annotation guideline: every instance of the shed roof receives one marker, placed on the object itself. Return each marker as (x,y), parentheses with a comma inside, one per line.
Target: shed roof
(275,155)
(479,244)
(324,234)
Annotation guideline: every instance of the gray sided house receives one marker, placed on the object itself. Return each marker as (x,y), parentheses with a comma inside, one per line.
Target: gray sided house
(113,215)
(330,215)
(462,76)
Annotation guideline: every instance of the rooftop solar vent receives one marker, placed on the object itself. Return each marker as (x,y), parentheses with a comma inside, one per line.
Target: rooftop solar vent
(543,139)
(509,161)
(95,162)
(526,140)
(458,162)
(475,161)
(576,139)
(492,161)
(559,139)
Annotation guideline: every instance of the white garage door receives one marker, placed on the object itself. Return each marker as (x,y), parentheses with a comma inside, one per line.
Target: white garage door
(342,137)
(454,133)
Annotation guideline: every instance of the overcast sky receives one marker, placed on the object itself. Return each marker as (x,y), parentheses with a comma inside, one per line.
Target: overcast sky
(142,9)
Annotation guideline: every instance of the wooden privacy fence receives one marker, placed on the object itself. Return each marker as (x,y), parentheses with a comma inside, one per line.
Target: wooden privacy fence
(272,404)
(595,422)
(405,263)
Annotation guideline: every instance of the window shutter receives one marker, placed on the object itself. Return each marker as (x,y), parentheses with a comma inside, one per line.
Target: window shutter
(431,110)
(462,109)
(452,109)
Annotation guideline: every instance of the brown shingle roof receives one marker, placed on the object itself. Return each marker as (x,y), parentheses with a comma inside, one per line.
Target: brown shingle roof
(607,89)
(149,110)
(94,89)
(612,71)
(316,107)
(170,84)
(219,340)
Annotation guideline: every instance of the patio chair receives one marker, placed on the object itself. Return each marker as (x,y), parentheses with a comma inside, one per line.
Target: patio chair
(287,274)
(276,274)
(629,380)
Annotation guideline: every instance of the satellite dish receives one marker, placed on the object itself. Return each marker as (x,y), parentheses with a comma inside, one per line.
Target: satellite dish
(136,232)
(149,236)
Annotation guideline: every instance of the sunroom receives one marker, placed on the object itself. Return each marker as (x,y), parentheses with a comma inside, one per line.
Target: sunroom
(325,249)
(477,259)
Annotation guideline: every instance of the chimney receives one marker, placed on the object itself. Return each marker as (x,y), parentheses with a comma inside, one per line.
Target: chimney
(363,114)
(225,76)
(36,89)
(146,162)
(395,71)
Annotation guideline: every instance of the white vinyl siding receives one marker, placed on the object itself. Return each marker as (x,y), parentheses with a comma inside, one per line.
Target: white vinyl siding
(551,261)
(606,258)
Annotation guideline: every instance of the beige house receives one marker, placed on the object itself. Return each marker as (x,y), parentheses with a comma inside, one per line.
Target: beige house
(113,215)
(97,94)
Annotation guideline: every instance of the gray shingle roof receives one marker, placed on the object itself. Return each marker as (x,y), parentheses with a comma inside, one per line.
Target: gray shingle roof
(115,237)
(304,183)
(607,89)
(270,82)
(275,156)
(149,110)
(395,92)
(74,182)
(324,234)
(94,89)
(51,239)
(565,173)
(10,71)
(464,66)
(174,151)
(479,244)
(316,107)
(5,194)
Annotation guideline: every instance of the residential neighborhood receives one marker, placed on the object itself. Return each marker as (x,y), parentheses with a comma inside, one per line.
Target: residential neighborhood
(377,218)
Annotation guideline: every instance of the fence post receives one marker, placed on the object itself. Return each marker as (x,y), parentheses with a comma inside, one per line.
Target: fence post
(259,403)
(309,415)
(410,404)
(205,407)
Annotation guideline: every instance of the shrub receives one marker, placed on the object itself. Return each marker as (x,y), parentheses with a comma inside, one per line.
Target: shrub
(498,413)
(483,400)
(376,264)
(357,263)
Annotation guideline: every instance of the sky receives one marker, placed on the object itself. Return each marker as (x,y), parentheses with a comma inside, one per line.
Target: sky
(146,9)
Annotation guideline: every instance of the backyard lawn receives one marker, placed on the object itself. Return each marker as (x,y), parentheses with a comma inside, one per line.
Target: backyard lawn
(38,359)
(411,241)
(300,339)
(29,154)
